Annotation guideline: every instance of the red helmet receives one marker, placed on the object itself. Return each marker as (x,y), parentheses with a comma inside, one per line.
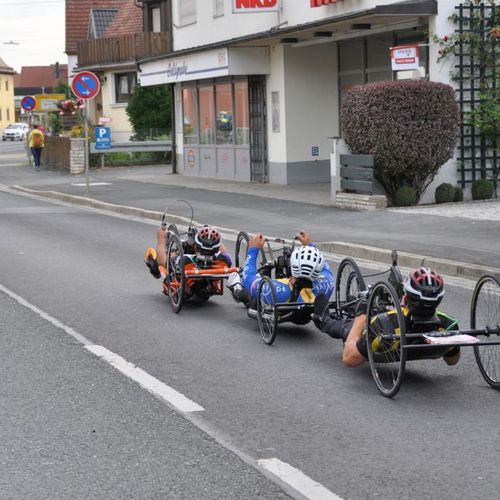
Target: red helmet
(208,239)
(425,289)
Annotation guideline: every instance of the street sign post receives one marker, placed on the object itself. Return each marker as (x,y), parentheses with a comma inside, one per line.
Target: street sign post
(28,103)
(86,85)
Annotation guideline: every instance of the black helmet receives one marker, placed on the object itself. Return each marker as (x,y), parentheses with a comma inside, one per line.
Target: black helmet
(424,289)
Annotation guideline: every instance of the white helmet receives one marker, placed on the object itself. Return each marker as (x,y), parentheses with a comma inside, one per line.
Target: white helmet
(306,262)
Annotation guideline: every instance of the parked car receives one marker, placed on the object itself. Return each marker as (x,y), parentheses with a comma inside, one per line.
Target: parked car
(15,132)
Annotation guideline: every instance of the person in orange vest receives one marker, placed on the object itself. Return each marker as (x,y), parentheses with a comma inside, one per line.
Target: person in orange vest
(36,143)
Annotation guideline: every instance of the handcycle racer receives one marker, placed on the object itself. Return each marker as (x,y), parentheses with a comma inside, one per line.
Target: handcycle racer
(202,248)
(423,292)
(310,276)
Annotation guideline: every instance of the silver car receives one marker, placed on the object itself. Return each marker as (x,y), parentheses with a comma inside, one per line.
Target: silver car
(15,132)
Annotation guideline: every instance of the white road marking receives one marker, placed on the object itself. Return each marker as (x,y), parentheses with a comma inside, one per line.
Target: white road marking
(297,480)
(82,184)
(144,379)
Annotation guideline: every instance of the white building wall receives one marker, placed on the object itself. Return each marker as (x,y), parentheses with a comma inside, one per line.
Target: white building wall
(312,100)
(277,152)
(208,29)
(121,129)
(441,25)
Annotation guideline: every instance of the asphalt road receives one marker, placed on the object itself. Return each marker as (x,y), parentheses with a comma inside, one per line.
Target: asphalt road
(293,401)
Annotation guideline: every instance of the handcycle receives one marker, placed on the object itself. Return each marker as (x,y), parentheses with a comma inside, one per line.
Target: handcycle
(275,265)
(389,352)
(190,272)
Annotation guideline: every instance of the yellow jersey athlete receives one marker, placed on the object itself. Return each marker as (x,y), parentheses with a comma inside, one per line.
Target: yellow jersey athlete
(424,290)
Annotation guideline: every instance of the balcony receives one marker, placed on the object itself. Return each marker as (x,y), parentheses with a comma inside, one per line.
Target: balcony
(122,49)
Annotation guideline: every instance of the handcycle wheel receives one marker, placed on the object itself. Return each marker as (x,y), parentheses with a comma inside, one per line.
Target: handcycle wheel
(266,310)
(386,353)
(176,277)
(348,283)
(241,250)
(485,313)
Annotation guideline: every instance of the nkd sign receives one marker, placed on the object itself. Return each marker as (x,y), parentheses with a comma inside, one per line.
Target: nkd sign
(319,3)
(243,6)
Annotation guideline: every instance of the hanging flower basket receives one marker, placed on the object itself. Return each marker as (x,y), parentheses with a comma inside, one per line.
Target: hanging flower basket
(70,107)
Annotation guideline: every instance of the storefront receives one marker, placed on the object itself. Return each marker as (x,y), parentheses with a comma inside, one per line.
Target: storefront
(213,102)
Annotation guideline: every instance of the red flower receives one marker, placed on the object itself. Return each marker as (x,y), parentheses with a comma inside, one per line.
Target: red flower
(445,38)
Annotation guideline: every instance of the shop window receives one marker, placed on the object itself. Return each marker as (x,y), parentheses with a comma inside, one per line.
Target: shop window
(242,120)
(190,115)
(413,37)
(124,86)
(224,113)
(187,12)
(207,115)
(218,8)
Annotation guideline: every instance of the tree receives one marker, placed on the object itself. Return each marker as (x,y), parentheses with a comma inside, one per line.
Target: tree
(149,111)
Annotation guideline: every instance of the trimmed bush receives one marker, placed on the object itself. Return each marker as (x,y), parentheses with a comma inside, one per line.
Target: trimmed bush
(482,189)
(459,194)
(405,197)
(410,127)
(444,193)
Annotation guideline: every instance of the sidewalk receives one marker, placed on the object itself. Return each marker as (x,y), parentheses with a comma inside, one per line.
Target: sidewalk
(458,239)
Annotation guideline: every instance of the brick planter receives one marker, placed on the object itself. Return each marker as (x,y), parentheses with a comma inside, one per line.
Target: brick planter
(64,153)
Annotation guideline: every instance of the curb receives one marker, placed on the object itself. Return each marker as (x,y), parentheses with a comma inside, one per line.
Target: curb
(355,250)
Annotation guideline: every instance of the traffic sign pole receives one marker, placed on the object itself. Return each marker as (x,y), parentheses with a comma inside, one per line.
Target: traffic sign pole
(86,85)
(86,128)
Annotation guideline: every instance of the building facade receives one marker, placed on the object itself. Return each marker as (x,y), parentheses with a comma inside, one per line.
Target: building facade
(7,109)
(258,83)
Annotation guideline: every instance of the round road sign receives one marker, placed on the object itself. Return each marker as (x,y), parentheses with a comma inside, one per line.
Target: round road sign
(85,85)
(28,103)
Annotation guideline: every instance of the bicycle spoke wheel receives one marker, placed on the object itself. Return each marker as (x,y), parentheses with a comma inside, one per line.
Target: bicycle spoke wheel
(386,338)
(348,283)
(485,313)
(176,278)
(266,310)
(241,250)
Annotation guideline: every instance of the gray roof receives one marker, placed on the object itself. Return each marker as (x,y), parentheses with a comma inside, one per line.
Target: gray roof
(99,21)
(4,68)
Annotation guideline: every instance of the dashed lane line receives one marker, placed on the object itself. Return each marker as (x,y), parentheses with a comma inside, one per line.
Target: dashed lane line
(292,480)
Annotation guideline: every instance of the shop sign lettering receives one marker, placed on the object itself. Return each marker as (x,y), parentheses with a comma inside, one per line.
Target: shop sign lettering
(175,70)
(244,6)
(320,3)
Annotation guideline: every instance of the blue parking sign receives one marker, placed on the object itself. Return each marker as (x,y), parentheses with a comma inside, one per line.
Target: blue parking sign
(102,138)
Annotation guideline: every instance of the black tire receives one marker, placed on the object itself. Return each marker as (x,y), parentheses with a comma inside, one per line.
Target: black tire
(241,249)
(266,310)
(348,283)
(485,313)
(386,353)
(176,278)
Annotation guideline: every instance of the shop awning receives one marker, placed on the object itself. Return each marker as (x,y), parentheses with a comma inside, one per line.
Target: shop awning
(224,61)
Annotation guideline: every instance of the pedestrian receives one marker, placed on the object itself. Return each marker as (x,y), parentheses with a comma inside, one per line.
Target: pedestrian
(37,143)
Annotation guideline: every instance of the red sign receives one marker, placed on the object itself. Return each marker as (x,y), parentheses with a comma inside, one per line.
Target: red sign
(255,6)
(85,85)
(320,3)
(405,57)
(28,103)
